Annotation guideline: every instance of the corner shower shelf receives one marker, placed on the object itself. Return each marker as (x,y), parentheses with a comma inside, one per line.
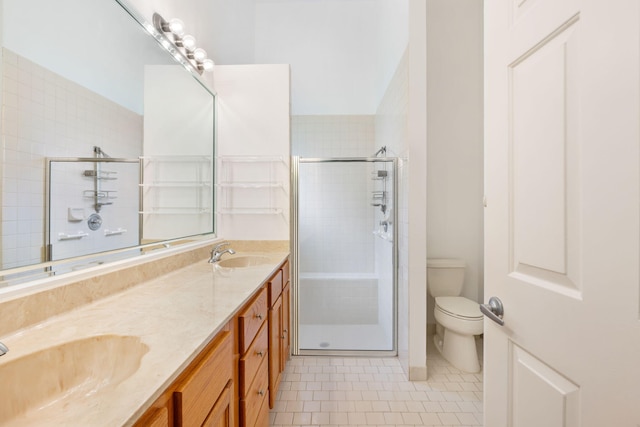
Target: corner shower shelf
(168,179)
(253,185)
(249,211)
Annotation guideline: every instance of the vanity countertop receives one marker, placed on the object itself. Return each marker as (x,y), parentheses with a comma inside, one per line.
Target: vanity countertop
(174,317)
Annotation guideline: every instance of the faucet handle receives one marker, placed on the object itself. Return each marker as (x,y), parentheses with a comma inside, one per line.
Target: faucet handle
(3,349)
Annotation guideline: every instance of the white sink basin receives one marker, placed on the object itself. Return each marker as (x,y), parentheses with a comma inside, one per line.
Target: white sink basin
(244,261)
(49,379)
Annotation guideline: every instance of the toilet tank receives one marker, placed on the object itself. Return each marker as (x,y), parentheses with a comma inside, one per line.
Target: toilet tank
(445,277)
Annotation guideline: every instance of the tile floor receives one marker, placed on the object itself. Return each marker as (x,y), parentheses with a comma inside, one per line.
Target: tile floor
(349,391)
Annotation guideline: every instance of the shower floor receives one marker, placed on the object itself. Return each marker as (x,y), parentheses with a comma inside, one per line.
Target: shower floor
(344,337)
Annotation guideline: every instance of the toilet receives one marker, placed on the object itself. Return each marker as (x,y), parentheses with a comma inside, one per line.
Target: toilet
(458,319)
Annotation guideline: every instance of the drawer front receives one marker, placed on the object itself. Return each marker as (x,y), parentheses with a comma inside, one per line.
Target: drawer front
(257,396)
(251,319)
(275,287)
(198,392)
(285,274)
(250,362)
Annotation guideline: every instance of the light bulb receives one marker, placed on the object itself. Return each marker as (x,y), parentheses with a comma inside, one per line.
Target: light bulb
(199,54)
(176,26)
(189,43)
(208,64)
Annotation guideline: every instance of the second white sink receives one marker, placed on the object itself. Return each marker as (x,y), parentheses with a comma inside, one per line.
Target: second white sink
(244,261)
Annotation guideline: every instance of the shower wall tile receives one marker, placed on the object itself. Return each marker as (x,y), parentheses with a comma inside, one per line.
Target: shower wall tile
(336,219)
(46,115)
(336,215)
(333,136)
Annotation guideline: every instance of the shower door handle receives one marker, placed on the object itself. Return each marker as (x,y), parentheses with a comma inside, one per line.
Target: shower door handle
(494,310)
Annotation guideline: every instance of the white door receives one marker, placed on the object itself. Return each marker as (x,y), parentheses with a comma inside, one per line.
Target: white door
(562,231)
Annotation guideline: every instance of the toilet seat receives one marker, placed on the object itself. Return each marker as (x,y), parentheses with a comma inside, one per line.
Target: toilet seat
(459,307)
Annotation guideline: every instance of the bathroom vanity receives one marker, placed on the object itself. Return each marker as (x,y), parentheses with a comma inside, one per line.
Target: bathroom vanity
(199,345)
(235,379)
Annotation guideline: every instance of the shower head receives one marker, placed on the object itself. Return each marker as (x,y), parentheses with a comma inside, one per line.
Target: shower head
(382,150)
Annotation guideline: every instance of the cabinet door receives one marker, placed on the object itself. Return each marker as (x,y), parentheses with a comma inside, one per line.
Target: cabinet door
(286,324)
(275,342)
(200,388)
(222,413)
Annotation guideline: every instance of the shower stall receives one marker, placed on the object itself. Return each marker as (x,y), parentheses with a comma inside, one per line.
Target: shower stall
(344,257)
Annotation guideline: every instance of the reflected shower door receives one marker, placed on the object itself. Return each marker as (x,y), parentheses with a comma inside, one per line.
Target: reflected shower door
(345,292)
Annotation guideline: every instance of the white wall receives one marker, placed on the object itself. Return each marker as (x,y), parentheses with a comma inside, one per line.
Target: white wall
(331,46)
(416,179)
(455,143)
(391,41)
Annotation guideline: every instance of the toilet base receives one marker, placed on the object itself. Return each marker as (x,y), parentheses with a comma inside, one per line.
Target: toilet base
(459,350)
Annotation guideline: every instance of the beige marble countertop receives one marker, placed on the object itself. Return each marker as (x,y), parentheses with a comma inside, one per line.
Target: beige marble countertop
(174,317)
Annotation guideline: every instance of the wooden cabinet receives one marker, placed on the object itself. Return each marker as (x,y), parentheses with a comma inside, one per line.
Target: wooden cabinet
(234,380)
(222,414)
(286,325)
(253,366)
(196,394)
(279,347)
(202,394)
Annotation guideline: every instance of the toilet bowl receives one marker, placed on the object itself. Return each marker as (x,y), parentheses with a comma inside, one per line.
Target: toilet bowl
(458,319)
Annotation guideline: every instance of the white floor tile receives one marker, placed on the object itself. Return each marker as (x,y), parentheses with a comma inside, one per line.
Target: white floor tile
(369,392)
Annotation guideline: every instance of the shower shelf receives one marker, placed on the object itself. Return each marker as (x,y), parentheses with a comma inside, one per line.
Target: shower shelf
(177,185)
(257,211)
(253,185)
(167,179)
(250,185)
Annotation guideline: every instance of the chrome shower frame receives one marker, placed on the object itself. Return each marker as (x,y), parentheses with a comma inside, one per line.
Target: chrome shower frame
(295,250)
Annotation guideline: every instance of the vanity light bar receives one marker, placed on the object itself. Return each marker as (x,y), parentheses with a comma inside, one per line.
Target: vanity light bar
(182,46)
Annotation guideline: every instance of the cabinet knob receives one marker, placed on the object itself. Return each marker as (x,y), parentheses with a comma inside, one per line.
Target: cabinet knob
(259,316)
(261,392)
(259,353)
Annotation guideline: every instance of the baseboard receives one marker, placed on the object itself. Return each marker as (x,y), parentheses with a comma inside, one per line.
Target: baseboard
(417,373)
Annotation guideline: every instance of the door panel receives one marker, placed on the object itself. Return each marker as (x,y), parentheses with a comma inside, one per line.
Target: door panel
(562,234)
(543,163)
(541,395)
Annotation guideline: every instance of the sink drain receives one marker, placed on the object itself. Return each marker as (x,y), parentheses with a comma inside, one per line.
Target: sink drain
(324,344)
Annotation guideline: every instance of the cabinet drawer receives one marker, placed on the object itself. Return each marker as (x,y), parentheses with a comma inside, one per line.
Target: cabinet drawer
(275,287)
(257,396)
(250,362)
(250,320)
(198,391)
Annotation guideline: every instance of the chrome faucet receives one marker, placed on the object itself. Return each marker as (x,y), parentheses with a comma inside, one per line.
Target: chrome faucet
(3,349)
(217,252)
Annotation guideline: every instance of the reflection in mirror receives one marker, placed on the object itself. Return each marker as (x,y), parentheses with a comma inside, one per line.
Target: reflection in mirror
(82,76)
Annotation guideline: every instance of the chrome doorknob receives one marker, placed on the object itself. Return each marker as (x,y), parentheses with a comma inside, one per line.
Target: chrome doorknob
(494,310)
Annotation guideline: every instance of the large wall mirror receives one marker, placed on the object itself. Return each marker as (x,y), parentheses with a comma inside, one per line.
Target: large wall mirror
(108,142)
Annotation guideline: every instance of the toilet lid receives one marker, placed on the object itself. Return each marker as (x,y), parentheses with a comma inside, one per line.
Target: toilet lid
(459,307)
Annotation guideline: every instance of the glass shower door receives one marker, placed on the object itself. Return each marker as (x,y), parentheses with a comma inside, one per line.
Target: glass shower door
(345,294)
